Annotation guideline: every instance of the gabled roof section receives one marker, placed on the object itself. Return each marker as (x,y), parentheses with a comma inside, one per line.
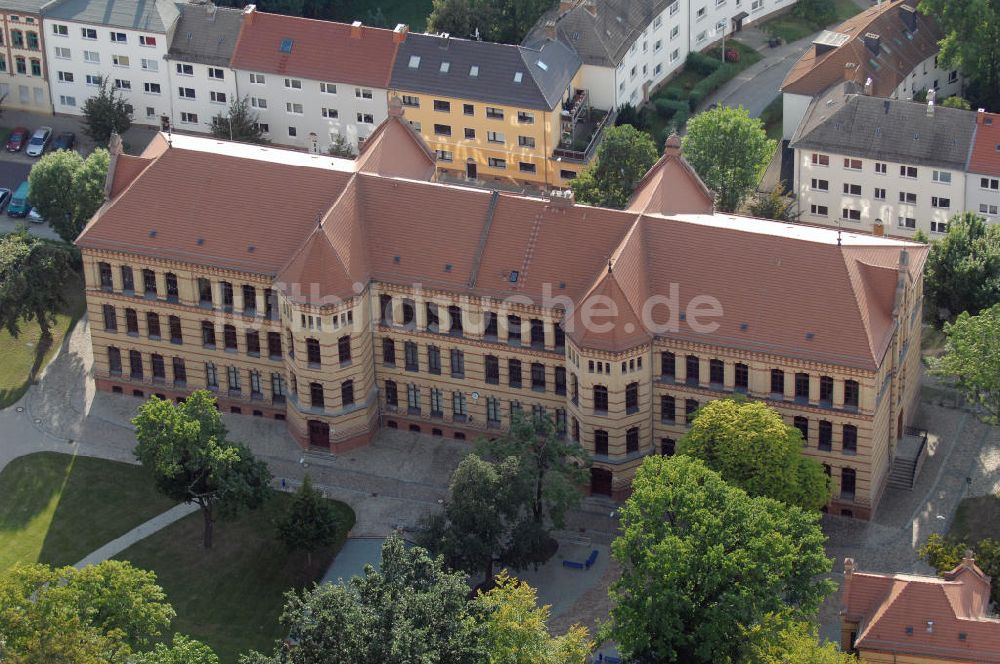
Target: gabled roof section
(395,149)
(316,50)
(906,38)
(887,130)
(924,616)
(154,16)
(607,320)
(205,34)
(526,77)
(671,186)
(985,157)
(600,31)
(127,169)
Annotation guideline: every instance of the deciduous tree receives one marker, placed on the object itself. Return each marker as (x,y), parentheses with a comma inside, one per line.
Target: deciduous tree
(963,268)
(749,444)
(797,643)
(411,610)
(240,123)
(775,204)
(310,523)
(703,564)
(504,21)
(971,43)
(184,650)
(106,113)
(341,147)
(957,102)
(515,628)
(945,553)
(67,189)
(623,158)
(729,150)
(972,357)
(184,447)
(33,276)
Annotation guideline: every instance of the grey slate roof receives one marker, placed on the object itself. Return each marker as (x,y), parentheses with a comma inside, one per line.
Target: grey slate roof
(26,6)
(858,125)
(205,36)
(602,38)
(546,70)
(151,15)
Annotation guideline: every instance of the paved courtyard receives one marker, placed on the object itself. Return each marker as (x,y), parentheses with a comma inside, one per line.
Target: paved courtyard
(402,476)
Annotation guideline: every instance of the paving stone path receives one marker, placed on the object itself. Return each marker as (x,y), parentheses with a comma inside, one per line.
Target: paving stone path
(140,532)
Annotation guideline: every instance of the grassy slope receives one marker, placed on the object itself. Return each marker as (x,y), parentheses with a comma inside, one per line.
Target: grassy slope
(57,508)
(791,28)
(231,595)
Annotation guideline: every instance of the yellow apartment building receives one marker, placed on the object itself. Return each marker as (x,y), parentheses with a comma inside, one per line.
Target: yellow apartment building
(385,298)
(498,113)
(24,81)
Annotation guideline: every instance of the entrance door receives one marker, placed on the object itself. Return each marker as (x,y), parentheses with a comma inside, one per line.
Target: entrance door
(600,481)
(899,425)
(470,170)
(319,434)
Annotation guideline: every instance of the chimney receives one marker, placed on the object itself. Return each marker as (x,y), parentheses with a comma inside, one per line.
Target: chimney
(672,146)
(980,114)
(115,150)
(845,589)
(443,40)
(590,6)
(878,228)
(561,199)
(849,69)
(248,13)
(395,107)
(211,10)
(931,96)
(550,30)
(399,34)
(873,42)
(909,16)
(868,86)
(356,29)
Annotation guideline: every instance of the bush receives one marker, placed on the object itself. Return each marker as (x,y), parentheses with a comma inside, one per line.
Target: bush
(673,92)
(701,64)
(666,108)
(710,84)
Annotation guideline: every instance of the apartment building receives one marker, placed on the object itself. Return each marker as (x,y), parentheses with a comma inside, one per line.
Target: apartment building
(387,299)
(24,81)
(629,47)
(124,41)
(889,50)
(202,83)
(495,112)
(312,81)
(864,163)
(982,181)
(917,619)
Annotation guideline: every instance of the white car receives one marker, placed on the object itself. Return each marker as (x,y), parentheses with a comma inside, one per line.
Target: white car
(35,217)
(39,141)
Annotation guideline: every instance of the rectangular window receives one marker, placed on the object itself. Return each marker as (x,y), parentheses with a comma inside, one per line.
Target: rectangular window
(186,93)
(92,57)
(437,410)
(988,209)
(852,164)
(495,137)
(110,318)
(524,117)
(119,37)
(514,373)
(820,159)
(538,376)
(123,84)
(257,79)
(120,60)
(690,408)
(851,393)
(152,325)
(468,109)
(879,194)
(293,108)
(668,365)
(189,118)
(217,97)
(62,53)
(442,130)
(940,202)
(908,172)
(410,356)
(148,64)
(852,189)
(494,113)
(992,184)
(668,409)
(88,33)
(716,372)
(850,440)
(692,365)
(819,185)
(293,84)
(185,70)
(442,106)
(907,222)
(850,214)
(145,40)
(61,30)
(413,398)
(366,118)
(458,405)
(907,197)
(211,376)
(494,162)
(457,363)
(742,376)
(176,333)
(180,372)
(944,177)
(363,93)
(434,360)
(939,227)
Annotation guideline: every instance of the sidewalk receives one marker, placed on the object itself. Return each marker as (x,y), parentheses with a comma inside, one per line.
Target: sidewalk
(140,532)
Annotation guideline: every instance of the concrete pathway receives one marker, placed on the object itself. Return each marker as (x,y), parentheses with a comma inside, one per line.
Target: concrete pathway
(140,532)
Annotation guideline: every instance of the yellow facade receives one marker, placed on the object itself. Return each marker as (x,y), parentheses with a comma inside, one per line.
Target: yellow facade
(378,359)
(492,142)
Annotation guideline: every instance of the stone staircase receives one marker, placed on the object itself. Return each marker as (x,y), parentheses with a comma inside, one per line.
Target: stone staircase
(901,475)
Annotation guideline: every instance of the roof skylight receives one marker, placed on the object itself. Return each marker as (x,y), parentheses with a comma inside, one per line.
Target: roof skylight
(445,66)
(414,61)
(474,70)
(286,45)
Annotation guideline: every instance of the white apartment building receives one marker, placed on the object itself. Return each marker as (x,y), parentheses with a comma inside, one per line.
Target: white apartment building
(868,164)
(982,182)
(202,83)
(629,47)
(124,41)
(23,77)
(312,81)
(889,50)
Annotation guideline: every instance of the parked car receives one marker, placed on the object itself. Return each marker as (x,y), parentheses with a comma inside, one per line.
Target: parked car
(19,201)
(39,141)
(17,139)
(35,218)
(5,195)
(64,141)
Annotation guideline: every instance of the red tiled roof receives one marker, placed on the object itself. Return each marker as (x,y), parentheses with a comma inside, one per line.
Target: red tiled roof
(319,50)
(902,51)
(312,219)
(940,618)
(658,190)
(384,154)
(985,157)
(126,170)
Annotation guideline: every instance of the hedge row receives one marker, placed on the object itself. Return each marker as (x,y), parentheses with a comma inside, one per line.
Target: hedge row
(711,83)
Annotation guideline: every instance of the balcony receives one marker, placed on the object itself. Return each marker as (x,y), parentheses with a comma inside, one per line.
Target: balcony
(573,107)
(581,137)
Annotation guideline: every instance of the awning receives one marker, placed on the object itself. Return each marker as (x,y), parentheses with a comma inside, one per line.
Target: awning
(740,16)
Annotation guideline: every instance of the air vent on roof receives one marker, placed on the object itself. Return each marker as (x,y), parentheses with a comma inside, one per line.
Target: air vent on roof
(200,241)
(810,336)
(152,233)
(474,70)
(518,76)
(542,65)
(286,46)
(251,248)
(743,327)
(514,274)
(447,267)
(445,66)
(414,61)
(395,259)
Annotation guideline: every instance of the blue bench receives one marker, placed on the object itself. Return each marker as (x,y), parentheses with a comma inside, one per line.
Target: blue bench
(573,564)
(591,559)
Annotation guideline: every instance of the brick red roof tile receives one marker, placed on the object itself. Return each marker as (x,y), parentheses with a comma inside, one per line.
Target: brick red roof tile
(985,157)
(320,50)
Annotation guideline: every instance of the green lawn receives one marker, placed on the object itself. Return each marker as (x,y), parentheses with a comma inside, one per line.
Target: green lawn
(411,12)
(792,28)
(976,519)
(23,357)
(57,508)
(231,596)
(771,117)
